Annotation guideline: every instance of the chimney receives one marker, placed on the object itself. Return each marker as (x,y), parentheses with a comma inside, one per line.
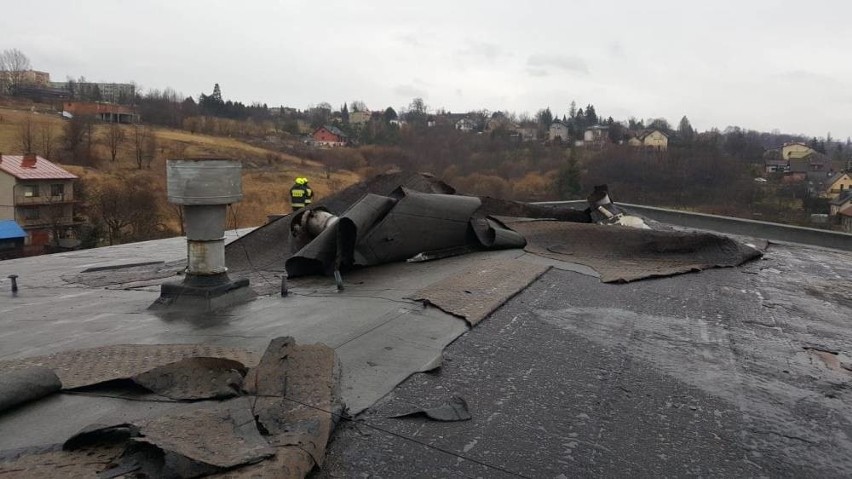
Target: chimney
(29,161)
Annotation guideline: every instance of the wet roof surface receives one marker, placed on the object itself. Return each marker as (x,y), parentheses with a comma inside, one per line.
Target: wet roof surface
(739,371)
(719,373)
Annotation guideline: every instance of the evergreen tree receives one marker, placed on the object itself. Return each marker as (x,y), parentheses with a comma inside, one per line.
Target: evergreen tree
(568,178)
(390,114)
(217,94)
(572,110)
(344,114)
(591,115)
(685,131)
(544,117)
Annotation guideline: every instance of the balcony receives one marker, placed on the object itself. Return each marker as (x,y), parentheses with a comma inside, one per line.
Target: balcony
(46,222)
(21,200)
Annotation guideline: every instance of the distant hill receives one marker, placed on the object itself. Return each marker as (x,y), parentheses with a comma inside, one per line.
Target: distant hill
(267,174)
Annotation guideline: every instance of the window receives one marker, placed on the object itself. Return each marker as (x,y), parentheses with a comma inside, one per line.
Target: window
(30,191)
(57,189)
(30,213)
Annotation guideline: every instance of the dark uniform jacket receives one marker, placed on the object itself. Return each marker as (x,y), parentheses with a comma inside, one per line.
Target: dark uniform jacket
(300,196)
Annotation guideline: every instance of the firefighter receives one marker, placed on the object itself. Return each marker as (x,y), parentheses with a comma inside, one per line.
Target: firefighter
(300,193)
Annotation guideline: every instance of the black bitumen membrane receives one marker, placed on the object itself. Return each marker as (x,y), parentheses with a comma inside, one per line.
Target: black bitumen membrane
(694,375)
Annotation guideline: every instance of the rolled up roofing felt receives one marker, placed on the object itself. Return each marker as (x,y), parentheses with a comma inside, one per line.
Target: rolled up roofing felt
(18,387)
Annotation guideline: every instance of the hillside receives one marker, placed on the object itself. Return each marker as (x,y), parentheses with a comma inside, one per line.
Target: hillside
(267,175)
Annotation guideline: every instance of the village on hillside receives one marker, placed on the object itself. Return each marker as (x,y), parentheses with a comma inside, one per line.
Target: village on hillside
(81,161)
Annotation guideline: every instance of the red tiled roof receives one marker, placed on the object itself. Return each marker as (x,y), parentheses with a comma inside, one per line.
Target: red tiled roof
(40,169)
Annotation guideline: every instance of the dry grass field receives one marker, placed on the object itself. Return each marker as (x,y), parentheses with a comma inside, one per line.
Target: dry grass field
(267,175)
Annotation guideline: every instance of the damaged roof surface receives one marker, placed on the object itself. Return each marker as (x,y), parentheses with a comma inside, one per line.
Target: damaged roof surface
(462,367)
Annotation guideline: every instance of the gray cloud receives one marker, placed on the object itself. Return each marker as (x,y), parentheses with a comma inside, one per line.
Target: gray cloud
(410,39)
(616,50)
(542,64)
(489,52)
(409,91)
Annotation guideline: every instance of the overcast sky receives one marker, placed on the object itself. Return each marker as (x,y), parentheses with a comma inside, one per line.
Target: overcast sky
(752,63)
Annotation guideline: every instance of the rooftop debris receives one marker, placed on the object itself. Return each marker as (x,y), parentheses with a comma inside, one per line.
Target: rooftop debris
(453,410)
(622,255)
(382,229)
(87,367)
(24,385)
(479,290)
(408,216)
(280,423)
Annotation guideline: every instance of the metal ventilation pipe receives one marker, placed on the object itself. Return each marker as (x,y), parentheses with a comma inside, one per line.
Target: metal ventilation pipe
(204,188)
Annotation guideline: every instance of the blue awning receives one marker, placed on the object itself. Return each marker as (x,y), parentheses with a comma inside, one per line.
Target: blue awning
(11,230)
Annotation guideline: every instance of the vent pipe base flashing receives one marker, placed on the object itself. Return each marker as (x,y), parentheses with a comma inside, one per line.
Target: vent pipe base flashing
(203,293)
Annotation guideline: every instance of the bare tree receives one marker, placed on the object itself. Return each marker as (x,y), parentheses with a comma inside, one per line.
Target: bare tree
(113,139)
(144,145)
(149,146)
(27,135)
(13,65)
(76,134)
(137,136)
(89,128)
(129,208)
(47,136)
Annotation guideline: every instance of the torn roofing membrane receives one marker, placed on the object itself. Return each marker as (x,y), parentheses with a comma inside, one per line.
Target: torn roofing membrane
(294,389)
(383,229)
(268,421)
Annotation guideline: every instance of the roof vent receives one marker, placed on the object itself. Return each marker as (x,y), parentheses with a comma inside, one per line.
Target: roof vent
(204,188)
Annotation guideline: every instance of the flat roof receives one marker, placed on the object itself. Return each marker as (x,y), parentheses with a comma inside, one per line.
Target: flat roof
(734,371)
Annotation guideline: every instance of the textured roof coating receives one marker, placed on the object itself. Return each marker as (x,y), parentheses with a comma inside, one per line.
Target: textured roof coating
(41,169)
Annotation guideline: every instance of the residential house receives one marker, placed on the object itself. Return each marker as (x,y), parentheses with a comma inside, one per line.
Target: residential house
(106,112)
(796,150)
(465,124)
(837,184)
(39,196)
(558,131)
(775,165)
(596,136)
(360,117)
(812,166)
(650,139)
(329,136)
(843,200)
(845,215)
(817,162)
(773,162)
(527,133)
